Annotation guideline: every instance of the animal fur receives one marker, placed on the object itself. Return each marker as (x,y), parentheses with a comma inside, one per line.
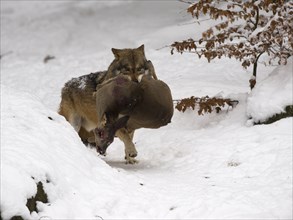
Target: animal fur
(131,62)
(146,104)
(78,103)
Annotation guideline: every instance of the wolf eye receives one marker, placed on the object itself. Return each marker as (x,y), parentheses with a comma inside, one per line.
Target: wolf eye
(118,71)
(140,69)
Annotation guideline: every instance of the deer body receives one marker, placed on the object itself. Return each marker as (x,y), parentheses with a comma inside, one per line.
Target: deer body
(156,108)
(146,104)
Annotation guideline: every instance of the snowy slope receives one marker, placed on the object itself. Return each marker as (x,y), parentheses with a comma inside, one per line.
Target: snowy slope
(198,167)
(272,95)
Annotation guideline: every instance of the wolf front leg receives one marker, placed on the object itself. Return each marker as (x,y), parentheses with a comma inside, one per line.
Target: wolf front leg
(130,151)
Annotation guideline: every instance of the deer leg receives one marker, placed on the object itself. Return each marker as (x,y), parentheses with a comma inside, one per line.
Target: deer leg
(130,151)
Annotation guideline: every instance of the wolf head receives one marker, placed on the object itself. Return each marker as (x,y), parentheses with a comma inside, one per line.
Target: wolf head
(130,62)
(104,136)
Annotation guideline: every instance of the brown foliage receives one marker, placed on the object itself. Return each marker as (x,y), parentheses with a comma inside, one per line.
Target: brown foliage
(267,29)
(252,83)
(205,104)
(47,58)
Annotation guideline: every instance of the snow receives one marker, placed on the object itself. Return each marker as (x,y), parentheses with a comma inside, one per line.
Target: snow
(80,82)
(198,167)
(271,95)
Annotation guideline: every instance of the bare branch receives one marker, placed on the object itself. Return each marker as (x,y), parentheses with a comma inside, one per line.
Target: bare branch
(186,2)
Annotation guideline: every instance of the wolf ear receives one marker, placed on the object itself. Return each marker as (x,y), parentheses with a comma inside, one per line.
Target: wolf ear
(141,48)
(116,52)
(121,122)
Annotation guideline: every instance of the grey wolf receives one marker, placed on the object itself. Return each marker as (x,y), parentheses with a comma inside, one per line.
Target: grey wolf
(78,103)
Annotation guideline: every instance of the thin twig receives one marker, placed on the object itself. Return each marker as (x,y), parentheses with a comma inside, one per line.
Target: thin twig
(186,2)
(5,54)
(193,22)
(163,47)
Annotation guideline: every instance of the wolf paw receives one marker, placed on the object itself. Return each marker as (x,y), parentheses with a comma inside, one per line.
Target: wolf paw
(130,153)
(130,160)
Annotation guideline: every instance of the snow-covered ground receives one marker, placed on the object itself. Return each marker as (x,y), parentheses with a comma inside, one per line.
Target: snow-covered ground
(215,166)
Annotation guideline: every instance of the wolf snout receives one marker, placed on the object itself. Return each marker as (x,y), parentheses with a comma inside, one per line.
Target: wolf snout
(135,80)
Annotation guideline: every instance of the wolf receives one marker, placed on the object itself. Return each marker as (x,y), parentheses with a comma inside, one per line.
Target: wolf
(78,102)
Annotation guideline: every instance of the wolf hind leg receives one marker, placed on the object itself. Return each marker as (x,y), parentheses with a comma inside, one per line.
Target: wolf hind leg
(70,115)
(75,120)
(87,136)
